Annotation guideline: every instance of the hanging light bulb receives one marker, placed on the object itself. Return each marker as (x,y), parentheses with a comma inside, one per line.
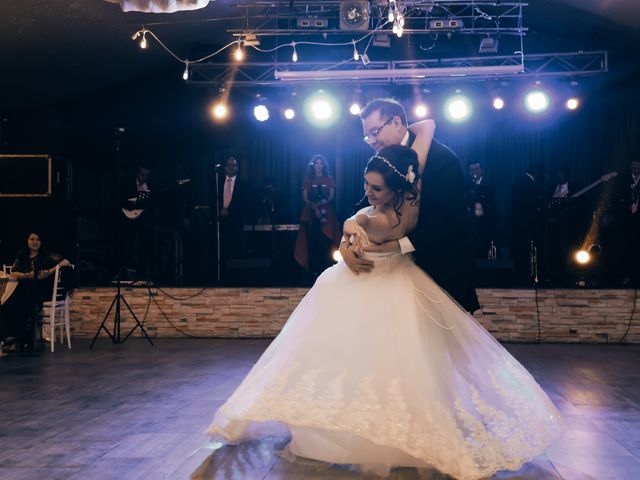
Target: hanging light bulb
(395,28)
(294,56)
(239,53)
(356,55)
(401,20)
(400,31)
(391,17)
(185,74)
(143,41)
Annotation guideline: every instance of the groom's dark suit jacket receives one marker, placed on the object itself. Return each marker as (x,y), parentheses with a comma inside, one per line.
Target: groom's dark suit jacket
(443,236)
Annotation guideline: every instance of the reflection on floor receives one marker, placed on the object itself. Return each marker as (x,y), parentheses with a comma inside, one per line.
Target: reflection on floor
(139,412)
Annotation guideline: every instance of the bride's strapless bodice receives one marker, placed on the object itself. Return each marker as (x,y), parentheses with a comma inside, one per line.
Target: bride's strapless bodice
(381,256)
(385,261)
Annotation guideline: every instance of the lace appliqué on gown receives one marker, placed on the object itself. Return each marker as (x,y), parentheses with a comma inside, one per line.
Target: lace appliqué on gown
(468,439)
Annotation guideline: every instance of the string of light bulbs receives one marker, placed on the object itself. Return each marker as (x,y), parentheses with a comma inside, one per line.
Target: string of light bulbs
(293,44)
(396,17)
(239,54)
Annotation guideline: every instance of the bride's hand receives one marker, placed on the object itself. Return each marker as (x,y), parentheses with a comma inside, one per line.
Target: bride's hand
(360,237)
(386,247)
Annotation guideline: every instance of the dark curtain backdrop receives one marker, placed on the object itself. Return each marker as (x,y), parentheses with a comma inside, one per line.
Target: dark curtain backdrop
(591,142)
(168,127)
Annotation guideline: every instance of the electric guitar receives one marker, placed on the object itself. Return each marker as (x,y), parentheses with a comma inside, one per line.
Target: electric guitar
(134,213)
(603,178)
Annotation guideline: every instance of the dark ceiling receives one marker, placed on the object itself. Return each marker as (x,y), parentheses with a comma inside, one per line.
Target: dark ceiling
(56,49)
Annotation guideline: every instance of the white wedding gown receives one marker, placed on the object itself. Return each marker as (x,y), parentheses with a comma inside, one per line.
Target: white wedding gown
(384,369)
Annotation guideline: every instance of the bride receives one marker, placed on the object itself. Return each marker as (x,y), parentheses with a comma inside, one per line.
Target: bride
(385,369)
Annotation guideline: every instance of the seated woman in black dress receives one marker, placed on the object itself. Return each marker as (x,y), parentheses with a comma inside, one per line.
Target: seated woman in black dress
(20,309)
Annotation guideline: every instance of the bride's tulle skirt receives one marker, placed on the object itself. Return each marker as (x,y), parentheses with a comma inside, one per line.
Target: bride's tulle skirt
(384,369)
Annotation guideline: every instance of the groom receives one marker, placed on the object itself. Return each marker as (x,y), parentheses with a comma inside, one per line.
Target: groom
(442,241)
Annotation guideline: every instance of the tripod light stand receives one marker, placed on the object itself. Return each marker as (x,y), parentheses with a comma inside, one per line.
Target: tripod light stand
(119,298)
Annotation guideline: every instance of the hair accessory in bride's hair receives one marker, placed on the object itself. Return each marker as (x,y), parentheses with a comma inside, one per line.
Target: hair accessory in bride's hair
(409,177)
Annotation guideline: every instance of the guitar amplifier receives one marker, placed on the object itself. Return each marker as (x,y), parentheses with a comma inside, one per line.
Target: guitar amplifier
(35,176)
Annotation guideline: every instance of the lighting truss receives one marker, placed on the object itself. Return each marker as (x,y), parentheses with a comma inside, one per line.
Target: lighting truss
(574,64)
(264,17)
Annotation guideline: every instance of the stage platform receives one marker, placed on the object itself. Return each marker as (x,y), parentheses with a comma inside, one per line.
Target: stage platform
(134,411)
(546,315)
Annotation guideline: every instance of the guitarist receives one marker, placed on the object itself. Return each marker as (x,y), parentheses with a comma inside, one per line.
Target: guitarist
(566,221)
(136,233)
(133,192)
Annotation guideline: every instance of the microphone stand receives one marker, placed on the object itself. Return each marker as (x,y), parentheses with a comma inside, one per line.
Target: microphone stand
(533,262)
(119,296)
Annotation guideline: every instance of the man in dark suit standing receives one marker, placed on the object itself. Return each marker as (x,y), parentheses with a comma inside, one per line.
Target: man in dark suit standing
(480,200)
(232,203)
(442,240)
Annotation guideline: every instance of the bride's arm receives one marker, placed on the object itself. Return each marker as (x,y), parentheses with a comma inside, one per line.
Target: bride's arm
(424,131)
(351,254)
(357,226)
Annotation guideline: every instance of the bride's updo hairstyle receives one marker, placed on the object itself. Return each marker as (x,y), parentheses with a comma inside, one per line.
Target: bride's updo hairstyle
(399,168)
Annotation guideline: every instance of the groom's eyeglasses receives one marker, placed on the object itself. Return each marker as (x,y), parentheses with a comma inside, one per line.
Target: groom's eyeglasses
(376,131)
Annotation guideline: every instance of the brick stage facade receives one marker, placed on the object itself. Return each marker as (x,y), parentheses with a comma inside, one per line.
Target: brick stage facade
(582,316)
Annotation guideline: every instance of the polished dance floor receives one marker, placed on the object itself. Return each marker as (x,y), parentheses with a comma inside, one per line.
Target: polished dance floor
(139,412)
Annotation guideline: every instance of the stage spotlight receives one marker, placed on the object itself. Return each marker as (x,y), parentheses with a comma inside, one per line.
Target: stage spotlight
(337,256)
(573,103)
(537,101)
(220,111)
(498,103)
(261,112)
(355,108)
(457,109)
(420,110)
(582,257)
(289,113)
(321,109)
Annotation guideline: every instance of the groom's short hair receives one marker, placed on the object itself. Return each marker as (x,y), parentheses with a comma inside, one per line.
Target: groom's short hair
(388,107)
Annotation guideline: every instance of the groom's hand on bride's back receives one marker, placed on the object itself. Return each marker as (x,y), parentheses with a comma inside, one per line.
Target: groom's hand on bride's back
(356,263)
